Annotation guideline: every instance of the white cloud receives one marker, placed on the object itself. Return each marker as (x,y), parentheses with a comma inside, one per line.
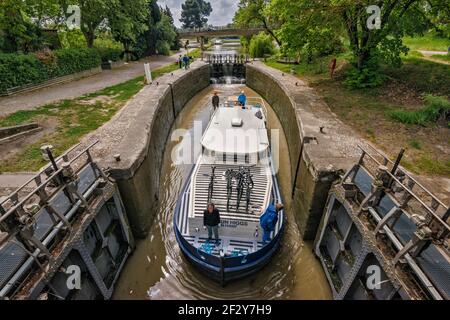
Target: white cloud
(222,14)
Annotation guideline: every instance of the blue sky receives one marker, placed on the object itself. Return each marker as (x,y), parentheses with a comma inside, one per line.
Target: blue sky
(223,10)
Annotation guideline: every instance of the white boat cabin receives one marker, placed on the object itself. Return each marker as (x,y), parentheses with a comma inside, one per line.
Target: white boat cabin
(235,139)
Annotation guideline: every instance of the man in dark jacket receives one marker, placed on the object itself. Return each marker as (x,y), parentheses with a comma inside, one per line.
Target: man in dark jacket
(269,220)
(215,101)
(211,220)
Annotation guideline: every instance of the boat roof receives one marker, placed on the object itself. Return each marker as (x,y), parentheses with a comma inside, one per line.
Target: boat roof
(248,138)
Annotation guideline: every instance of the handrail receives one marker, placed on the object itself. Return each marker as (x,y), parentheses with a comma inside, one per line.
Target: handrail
(43,184)
(409,176)
(411,193)
(38,174)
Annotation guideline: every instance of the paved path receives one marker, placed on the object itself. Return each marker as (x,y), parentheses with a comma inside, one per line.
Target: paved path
(428,55)
(11,181)
(71,90)
(433,53)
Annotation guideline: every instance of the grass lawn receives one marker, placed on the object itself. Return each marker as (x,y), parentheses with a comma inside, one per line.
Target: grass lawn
(445,58)
(370,111)
(427,42)
(72,120)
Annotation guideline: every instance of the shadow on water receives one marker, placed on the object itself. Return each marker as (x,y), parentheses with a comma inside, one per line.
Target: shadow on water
(158,270)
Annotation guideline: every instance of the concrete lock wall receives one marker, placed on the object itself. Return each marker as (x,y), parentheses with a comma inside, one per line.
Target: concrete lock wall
(138,135)
(317,156)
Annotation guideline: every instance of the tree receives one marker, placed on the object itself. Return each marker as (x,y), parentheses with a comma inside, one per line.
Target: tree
(176,43)
(439,15)
(20,33)
(127,21)
(195,13)
(305,32)
(166,35)
(252,13)
(93,14)
(261,45)
(318,18)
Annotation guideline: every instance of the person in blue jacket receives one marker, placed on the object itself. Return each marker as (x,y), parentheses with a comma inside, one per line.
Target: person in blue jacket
(269,220)
(242,99)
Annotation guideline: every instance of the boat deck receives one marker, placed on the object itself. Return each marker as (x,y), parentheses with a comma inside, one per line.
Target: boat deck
(261,178)
(231,245)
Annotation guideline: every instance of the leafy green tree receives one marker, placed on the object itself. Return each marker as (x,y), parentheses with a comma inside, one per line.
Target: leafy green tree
(176,44)
(261,45)
(439,15)
(13,23)
(94,13)
(310,23)
(195,13)
(166,35)
(128,20)
(253,13)
(304,31)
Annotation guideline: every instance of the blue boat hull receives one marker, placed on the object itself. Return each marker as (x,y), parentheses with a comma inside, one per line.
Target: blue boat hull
(228,268)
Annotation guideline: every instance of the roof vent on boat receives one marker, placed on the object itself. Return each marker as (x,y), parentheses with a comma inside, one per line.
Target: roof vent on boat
(237,122)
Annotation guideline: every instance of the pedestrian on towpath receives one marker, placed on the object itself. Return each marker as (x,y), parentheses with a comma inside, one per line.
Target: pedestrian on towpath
(180,61)
(186,61)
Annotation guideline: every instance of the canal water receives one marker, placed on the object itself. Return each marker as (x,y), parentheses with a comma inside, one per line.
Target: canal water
(158,270)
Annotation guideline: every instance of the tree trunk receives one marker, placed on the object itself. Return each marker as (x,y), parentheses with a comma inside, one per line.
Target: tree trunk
(363,57)
(90,37)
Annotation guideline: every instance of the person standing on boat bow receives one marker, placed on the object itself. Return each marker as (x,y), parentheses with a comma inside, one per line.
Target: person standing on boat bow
(215,101)
(269,220)
(211,220)
(242,99)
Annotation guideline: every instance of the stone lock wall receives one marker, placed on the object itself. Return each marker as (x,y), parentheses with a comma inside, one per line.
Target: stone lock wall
(320,146)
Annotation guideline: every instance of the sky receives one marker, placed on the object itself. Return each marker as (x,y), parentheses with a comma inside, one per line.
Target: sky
(222,14)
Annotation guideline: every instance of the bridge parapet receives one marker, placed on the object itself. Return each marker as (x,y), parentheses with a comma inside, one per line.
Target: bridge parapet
(219,31)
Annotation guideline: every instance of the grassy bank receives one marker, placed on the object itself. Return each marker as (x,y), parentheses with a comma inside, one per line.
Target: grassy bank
(428,42)
(71,120)
(370,111)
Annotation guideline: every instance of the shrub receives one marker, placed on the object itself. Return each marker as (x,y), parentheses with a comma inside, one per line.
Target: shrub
(72,39)
(17,70)
(76,60)
(108,48)
(434,107)
(369,76)
(110,54)
(163,47)
(261,45)
(48,59)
